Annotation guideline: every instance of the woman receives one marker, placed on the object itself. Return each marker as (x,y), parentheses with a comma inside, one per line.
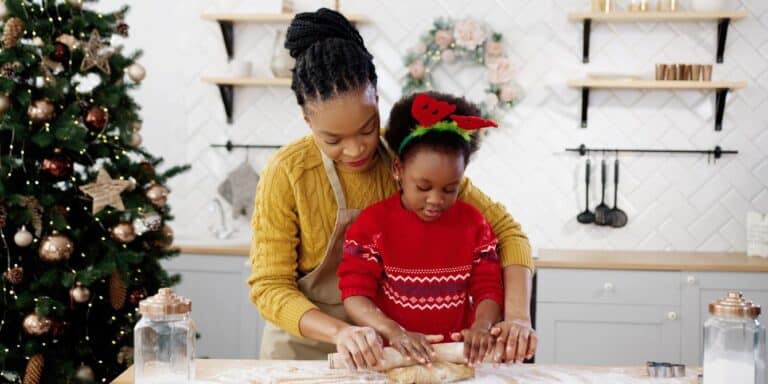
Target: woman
(312,189)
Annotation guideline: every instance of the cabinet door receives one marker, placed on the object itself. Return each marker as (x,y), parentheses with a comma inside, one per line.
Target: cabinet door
(606,334)
(702,288)
(251,322)
(216,286)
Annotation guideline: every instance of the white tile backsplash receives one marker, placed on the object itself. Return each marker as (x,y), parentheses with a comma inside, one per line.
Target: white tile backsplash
(674,202)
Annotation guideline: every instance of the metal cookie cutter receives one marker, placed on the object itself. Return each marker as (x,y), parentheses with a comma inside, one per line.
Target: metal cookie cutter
(664,369)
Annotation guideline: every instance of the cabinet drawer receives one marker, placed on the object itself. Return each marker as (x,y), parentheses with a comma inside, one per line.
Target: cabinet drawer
(608,286)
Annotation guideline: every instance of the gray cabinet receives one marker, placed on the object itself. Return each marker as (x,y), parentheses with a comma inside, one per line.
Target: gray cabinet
(229,325)
(603,334)
(616,317)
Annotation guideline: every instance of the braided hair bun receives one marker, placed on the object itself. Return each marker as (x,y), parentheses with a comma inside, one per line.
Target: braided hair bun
(330,54)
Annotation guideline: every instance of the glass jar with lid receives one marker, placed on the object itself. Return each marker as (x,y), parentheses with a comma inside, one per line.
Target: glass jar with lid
(164,340)
(734,342)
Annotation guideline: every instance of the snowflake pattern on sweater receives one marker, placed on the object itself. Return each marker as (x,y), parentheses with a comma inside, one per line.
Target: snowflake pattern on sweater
(427,276)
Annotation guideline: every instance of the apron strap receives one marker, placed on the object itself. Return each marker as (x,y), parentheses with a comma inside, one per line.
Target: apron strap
(333,178)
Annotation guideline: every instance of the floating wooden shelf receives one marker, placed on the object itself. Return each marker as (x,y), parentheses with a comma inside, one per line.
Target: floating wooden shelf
(227,88)
(226,23)
(721,89)
(655,84)
(723,18)
(252,81)
(655,16)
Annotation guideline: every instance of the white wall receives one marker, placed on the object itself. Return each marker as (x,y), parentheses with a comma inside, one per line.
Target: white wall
(673,202)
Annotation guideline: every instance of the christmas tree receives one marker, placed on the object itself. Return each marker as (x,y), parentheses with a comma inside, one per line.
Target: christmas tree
(83,214)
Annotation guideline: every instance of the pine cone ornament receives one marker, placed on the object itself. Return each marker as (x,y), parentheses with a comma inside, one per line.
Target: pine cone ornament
(34,371)
(12,32)
(117,291)
(14,275)
(122,29)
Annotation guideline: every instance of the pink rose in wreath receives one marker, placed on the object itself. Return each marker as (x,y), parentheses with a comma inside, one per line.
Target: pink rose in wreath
(468,34)
(443,38)
(500,71)
(507,93)
(417,70)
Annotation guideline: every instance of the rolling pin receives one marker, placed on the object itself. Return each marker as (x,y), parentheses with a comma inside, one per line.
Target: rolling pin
(448,352)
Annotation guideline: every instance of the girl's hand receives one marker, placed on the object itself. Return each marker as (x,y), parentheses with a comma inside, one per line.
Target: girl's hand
(478,343)
(361,347)
(414,345)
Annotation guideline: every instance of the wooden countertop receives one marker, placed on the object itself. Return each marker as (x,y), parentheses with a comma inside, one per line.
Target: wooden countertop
(651,260)
(585,259)
(273,371)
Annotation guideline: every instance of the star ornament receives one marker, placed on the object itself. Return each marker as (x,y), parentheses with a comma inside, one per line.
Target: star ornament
(106,191)
(96,54)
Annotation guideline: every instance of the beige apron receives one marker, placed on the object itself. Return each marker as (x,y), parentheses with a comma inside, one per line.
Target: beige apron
(321,286)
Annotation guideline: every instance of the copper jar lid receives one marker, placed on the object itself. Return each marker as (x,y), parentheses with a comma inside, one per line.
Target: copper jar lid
(734,305)
(165,302)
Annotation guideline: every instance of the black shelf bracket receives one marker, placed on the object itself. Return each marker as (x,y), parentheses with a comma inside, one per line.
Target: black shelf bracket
(717,152)
(722,33)
(584,106)
(228,32)
(587,32)
(227,92)
(230,146)
(720,95)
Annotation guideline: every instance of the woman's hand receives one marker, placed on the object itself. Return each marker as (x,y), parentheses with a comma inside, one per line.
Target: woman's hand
(414,345)
(478,342)
(516,341)
(361,347)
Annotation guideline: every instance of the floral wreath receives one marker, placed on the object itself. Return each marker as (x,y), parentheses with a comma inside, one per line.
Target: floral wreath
(465,40)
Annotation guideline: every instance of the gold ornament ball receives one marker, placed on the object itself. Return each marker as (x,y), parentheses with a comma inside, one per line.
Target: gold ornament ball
(157,195)
(136,126)
(80,294)
(5,103)
(84,373)
(56,248)
(136,72)
(22,238)
(40,111)
(96,118)
(135,140)
(36,325)
(123,232)
(75,3)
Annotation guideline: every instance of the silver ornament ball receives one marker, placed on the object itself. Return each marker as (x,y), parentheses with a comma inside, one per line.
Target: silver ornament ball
(22,238)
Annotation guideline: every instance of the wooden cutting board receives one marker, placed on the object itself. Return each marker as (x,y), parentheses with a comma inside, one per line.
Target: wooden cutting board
(301,372)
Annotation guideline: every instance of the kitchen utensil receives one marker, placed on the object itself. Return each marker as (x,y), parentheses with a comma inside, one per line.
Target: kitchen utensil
(586,217)
(618,218)
(602,211)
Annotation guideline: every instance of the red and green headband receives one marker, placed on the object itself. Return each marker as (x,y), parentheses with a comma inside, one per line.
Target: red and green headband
(430,114)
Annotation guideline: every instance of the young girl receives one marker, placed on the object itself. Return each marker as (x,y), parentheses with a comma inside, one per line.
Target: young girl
(421,266)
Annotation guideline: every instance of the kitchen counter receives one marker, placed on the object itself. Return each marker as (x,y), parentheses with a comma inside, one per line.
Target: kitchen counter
(272,371)
(586,259)
(651,261)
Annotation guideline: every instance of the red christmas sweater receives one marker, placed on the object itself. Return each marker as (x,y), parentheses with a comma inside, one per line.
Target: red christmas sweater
(426,276)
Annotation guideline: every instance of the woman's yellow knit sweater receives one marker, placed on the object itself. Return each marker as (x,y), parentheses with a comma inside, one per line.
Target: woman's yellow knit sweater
(295,213)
